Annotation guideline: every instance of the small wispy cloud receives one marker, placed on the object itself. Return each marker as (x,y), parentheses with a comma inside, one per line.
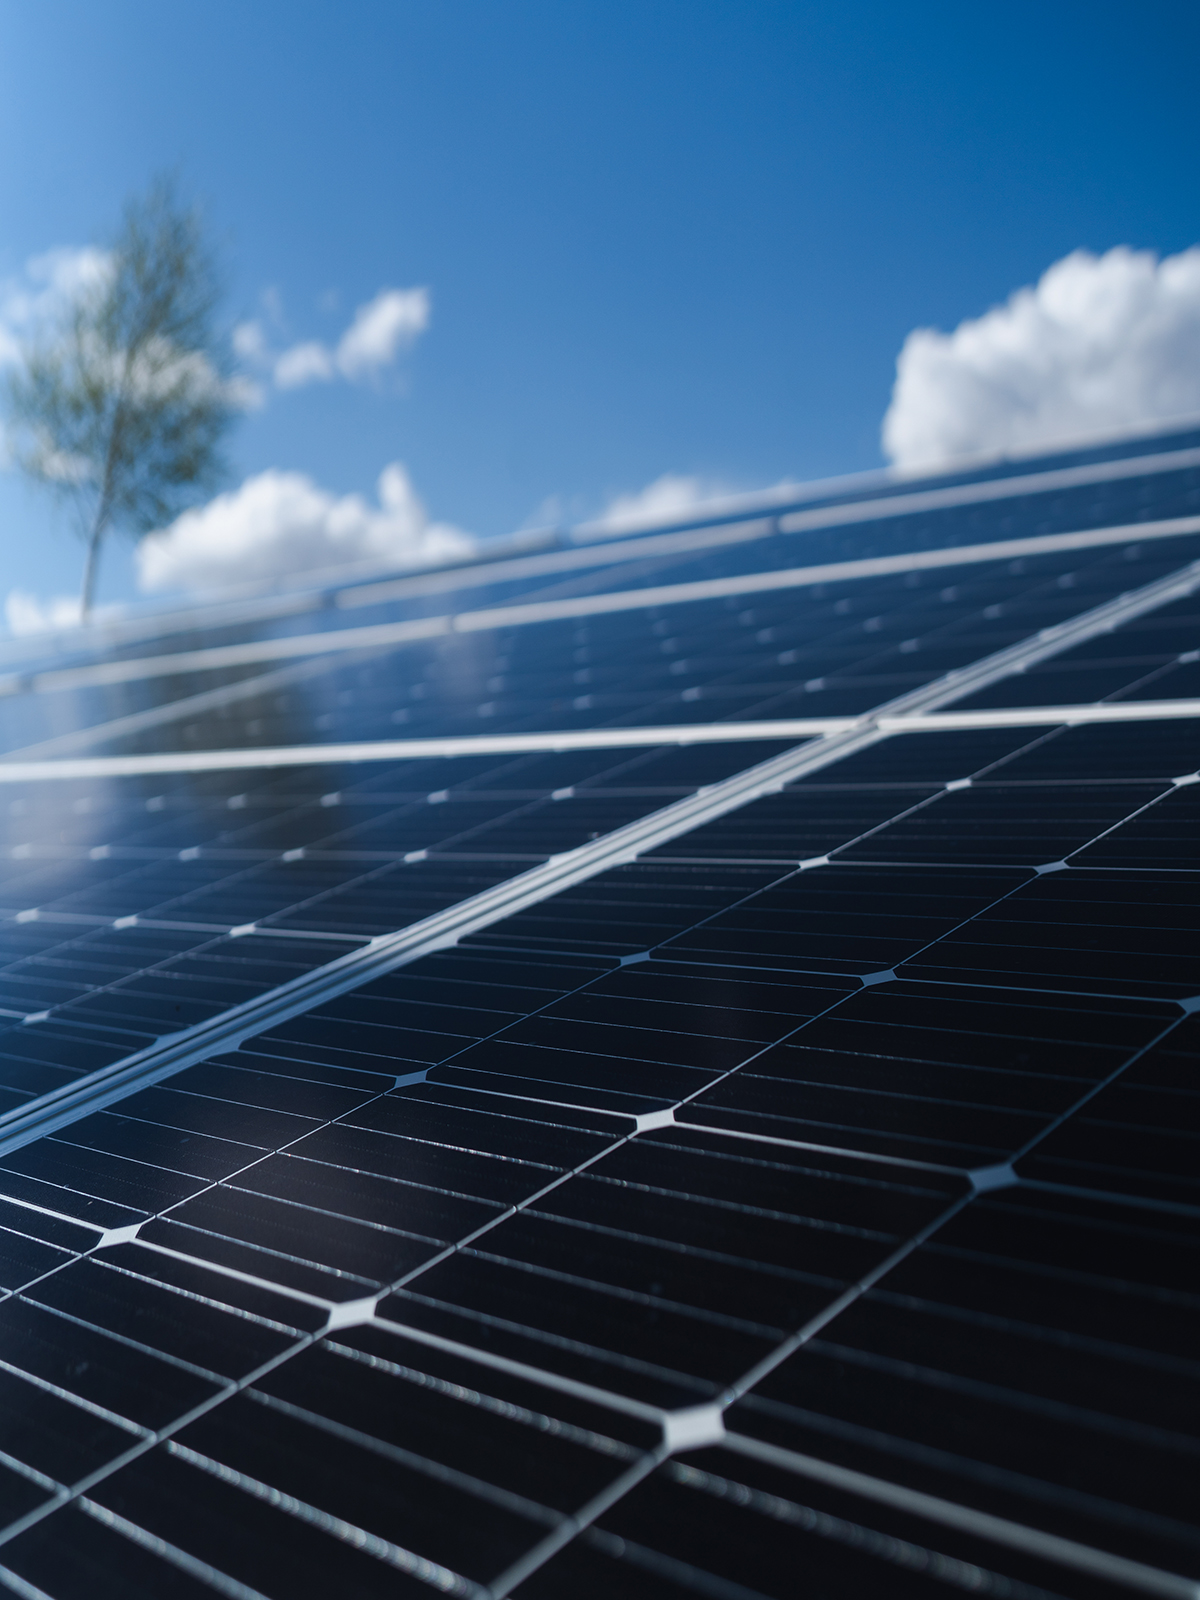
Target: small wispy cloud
(301,364)
(280,523)
(381,328)
(1100,343)
(379,331)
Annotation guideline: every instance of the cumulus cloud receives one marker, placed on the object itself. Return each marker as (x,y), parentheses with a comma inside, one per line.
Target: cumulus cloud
(381,328)
(25,613)
(1101,343)
(281,523)
(668,499)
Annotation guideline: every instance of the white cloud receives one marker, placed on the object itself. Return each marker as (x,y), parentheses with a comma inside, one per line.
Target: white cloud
(25,613)
(381,328)
(668,499)
(43,287)
(281,523)
(303,363)
(250,342)
(379,331)
(1100,344)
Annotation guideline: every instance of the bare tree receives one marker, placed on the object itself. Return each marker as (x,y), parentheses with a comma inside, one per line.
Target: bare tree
(121,402)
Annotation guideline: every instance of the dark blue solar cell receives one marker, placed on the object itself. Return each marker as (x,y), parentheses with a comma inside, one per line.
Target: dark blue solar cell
(410,1176)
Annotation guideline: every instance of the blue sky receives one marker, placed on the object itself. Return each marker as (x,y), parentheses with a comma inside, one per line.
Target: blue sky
(677,236)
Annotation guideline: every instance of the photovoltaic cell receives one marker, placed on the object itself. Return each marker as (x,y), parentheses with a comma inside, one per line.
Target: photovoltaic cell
(804,1201)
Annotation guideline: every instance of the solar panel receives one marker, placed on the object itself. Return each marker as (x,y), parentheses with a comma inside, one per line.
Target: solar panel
(655,1068)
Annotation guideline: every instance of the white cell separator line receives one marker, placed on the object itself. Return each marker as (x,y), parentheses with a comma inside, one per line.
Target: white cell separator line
(214,658)
(192,705)
(390,635)
(948,1513)
(23,1590)
(683,735)
(992,489)
(505,1582)
(421,749)
(171,1555)
(782,579)
(1049,642)
(1043,716)
(445,928)
(580,557)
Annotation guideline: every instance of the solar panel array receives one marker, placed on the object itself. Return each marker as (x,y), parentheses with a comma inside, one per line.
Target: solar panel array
(649,1069)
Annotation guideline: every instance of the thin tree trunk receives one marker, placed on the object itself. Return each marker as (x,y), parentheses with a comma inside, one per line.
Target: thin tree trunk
(103,509)
(90,568)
